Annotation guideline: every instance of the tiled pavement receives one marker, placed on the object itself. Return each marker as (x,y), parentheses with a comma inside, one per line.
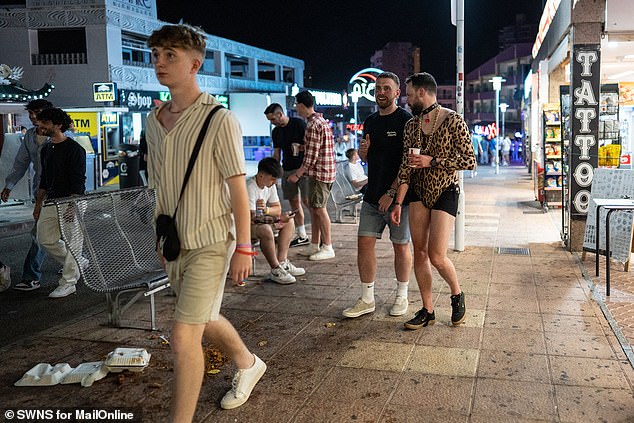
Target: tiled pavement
(536,346)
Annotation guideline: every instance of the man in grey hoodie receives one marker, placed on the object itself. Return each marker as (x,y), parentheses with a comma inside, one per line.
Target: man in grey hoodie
(29,152)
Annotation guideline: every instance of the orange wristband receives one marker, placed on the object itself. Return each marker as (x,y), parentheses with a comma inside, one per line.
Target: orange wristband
(247,253)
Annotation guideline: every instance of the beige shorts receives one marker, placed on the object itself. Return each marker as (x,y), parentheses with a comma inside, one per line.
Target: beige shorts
(318,193)
(198,279)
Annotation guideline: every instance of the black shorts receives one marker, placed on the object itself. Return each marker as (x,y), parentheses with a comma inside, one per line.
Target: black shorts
(448,200)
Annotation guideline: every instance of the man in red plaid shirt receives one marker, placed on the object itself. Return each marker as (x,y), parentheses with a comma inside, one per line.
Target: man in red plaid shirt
(319,166)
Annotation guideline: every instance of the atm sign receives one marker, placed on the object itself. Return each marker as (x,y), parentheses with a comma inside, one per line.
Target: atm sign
(104,91)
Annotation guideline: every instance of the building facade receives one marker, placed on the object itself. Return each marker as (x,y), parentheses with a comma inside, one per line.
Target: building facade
(512,64)
(446,95)
(95,53)
(402,58)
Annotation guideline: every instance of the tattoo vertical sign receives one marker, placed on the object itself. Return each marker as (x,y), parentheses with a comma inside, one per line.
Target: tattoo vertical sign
(584,143)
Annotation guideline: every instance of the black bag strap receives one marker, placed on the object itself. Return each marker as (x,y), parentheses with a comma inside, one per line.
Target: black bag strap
(194,156)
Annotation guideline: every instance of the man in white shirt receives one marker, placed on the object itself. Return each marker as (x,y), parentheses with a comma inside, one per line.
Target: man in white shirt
(357,176)
(506,150)
(267,219)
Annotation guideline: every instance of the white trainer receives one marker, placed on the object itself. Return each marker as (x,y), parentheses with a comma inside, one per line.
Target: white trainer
(63,291)
(359,309)
(400,306)
(281,276)
(323,254)
(292,269)
(309,250)
(243,383)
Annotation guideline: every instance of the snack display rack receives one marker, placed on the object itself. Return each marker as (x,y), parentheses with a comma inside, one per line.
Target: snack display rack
(564,98)
(552,159)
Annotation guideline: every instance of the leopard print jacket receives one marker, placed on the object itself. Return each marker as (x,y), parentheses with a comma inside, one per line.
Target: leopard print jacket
(450,143)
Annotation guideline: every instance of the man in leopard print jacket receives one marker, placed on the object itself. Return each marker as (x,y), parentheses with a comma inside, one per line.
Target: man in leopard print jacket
(436,146)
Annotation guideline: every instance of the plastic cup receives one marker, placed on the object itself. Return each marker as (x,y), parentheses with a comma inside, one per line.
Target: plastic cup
(414,151)
(295,147)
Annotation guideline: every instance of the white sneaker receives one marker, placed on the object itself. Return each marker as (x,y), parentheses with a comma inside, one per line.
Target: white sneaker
(309,250)
(359,309)
(63,291)
(292,269)
(323,254)
(400,306)
(243,383)
(281,276)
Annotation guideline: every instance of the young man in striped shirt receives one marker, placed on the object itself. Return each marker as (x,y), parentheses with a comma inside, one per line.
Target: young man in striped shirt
(319,166)
(209,246)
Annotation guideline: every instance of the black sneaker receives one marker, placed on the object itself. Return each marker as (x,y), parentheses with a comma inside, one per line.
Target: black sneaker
(299,241)
(27,285)
(421,319)
(458,314)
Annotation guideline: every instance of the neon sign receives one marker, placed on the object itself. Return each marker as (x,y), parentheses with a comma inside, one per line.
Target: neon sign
(362,84)
(489,131)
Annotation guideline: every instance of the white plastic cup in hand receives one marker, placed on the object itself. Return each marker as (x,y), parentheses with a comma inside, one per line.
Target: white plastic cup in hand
(414,151)
(295,147)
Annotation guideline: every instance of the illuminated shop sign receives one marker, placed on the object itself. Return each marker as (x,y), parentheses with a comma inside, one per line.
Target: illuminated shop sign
(355,127)
(327,98)
(109,119)
(489,131)
(143,7)
(104,91)
(361,86)
(584,148)
(223,99)
(547,18)
(85,123)
(142,101)
(322,98)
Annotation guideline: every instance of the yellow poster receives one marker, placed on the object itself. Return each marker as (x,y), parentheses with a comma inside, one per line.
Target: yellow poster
(85,123)
(626,93)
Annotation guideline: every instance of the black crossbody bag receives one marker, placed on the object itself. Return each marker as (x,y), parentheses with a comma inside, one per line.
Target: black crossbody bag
(166,232)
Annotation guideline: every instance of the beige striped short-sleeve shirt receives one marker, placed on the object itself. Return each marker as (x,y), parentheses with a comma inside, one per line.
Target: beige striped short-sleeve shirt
(204,213)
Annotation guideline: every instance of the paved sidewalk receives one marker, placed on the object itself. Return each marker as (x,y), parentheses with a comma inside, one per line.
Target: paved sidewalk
(535,348)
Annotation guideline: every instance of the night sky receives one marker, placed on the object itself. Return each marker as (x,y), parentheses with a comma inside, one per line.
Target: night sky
(336,38)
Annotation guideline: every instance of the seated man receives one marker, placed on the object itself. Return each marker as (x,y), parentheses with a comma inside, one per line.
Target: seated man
(357,175)
(267,218)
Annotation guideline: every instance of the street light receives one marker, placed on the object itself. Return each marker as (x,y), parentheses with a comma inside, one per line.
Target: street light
(497,86)
(503,107)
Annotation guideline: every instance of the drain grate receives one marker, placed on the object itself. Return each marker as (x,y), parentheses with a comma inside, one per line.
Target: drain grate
(513,251)
(533,212)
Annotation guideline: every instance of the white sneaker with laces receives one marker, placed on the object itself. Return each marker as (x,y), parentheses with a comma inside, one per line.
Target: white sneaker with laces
(243,383)
(359,309)
(292,269)
(63,291)
(281,276)
(323,254)
(400,306)
(309,250)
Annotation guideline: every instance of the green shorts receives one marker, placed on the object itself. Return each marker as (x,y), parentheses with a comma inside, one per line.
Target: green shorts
(318,193)
(291,190)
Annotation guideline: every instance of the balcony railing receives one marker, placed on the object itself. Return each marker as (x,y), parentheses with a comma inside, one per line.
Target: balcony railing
(137,64)
(59,59)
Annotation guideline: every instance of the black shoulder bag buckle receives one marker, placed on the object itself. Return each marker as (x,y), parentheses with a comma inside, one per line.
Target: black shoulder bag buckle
(166,232)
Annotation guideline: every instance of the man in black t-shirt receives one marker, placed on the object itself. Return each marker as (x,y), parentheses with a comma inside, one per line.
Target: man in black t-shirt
(382,149)
(63,175)
(288,144)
